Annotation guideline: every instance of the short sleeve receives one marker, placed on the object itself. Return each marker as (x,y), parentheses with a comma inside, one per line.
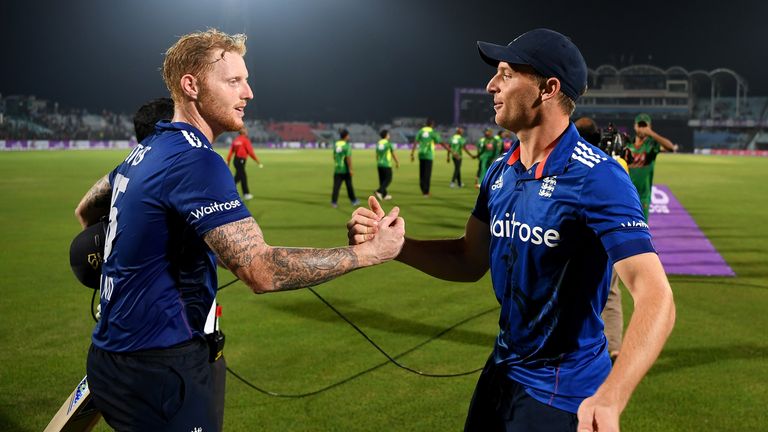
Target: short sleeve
(201,189)
(481,204)
(613,212)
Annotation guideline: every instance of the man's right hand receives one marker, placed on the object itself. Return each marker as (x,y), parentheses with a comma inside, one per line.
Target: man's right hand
(381,237)
(364,223)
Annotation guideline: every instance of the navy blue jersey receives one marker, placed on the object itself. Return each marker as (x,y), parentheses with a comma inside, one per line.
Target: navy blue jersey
(158,280)
(555,230)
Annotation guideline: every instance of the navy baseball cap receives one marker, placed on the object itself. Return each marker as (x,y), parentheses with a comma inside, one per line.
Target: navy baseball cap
(548,52)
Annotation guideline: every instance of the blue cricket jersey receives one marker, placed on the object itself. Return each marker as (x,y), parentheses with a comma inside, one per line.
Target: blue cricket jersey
(555,229)
(158,280)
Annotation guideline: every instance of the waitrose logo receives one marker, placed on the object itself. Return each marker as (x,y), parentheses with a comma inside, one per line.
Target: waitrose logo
(215,207)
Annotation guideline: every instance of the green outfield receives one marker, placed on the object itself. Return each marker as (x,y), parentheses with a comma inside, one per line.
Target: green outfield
(713,374)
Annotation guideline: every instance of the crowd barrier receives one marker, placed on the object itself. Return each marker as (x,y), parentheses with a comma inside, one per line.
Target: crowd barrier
(732,152)
(27,145)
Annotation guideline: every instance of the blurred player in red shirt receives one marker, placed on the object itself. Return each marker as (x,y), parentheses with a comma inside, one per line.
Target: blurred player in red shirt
(242,148)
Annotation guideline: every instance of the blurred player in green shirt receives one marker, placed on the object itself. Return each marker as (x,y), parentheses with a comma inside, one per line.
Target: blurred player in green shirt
(488,149)
(425,139)
(458,145)
(384,157)
(644,148)
(342,170)
(506,140)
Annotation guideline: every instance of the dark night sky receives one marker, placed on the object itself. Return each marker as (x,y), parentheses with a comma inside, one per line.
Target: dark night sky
(354,60)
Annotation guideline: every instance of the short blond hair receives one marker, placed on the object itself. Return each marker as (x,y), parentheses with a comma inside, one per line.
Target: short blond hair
(191,54)
(567,104)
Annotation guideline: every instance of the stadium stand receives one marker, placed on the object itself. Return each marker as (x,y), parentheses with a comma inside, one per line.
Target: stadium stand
(359,132)
(292,131)
(693,108)
(697,109)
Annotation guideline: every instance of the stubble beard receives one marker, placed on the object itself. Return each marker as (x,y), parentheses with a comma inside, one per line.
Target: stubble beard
(217,115)
(509,119)
(518,115)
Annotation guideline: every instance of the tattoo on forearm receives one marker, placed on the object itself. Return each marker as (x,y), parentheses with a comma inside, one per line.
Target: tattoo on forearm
(99,196)
(297,268)
(238,244)
(235,242)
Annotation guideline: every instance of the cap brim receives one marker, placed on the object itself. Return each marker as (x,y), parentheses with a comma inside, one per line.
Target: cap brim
(494,54)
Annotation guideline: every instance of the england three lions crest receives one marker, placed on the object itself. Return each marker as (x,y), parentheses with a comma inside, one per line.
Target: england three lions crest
(548,186)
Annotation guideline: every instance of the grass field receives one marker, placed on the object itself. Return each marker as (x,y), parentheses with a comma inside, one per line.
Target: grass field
(713,374)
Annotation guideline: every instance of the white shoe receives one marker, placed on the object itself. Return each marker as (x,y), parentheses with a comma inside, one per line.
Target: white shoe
(452,185)
(247,197)
(388,197)
(379,195)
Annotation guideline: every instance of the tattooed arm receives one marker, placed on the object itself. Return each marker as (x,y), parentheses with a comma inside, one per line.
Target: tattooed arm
(95,203)
(241,247)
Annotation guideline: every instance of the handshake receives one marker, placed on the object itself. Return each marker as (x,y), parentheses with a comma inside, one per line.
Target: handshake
(380,236)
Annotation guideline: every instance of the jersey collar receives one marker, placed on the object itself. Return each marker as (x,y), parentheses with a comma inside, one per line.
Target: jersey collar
(555,162)
(163,126)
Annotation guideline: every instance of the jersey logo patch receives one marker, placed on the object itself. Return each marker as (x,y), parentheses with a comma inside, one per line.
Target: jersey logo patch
(548,186)
(634,224)
(585,155)
(498,184)
(215,207)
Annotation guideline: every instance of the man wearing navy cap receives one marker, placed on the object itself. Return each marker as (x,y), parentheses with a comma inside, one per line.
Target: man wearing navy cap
(553,214)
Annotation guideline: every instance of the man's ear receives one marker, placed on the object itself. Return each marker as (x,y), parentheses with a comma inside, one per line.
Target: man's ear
(190,86)
(550,89)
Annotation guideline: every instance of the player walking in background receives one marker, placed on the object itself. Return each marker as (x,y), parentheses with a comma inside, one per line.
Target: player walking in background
(458,145)
(425,139)
(342,169)
(384,156)
(549,219)
(488,148)
(645,147)
(173,211)
(242,148)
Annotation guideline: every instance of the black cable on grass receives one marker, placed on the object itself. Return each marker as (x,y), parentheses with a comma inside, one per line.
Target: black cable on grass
(381,350)
(390,359)
(227,284)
